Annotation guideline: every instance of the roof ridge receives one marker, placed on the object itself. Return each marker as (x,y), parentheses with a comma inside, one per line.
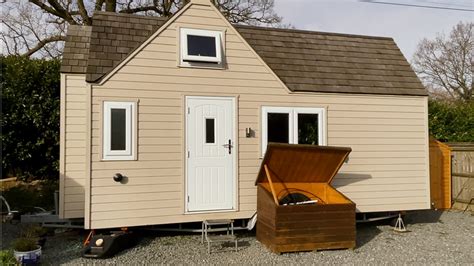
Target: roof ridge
(313,32)
(108,13)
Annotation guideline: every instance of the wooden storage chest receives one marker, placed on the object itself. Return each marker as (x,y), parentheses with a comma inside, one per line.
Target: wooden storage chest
(307,170)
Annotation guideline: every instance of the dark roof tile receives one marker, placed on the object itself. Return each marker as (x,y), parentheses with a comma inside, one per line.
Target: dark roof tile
(114,37)
(76,49)
(304,60)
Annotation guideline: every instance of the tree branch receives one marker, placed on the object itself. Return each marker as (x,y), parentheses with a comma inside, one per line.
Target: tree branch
(44,42)
(83,12)
(98,5)
(62,13)
(141,9)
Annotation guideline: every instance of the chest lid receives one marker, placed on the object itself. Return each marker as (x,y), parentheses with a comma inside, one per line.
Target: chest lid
(294,163)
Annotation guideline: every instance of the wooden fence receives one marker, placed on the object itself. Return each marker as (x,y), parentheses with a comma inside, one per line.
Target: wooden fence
(462,172)
(440,175)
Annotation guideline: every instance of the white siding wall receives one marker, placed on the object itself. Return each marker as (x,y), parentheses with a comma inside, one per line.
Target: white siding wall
(73,145)
(387,169)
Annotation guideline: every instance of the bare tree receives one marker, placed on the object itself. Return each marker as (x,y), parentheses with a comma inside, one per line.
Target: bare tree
(27,31)
(446,63)
(37,27)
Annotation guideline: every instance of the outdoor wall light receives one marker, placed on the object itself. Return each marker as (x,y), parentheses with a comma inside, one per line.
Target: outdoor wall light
(118,177)
(248,132)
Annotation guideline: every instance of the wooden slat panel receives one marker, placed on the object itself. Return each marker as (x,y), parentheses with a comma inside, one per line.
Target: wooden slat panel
(440,175)
(129,165)
(75,180)
(74,213)
(382,207)
(76,190)
(74,198)
(74,167)
(74,150)
(346,190)
(119,206)
(299,228)
(74,206)
(462,175)
(136,189)
(148,73)
(123,214)
(136,180)
(137,197)
(152,172)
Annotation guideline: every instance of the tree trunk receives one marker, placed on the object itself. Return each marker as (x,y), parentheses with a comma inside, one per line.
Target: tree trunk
(110,5)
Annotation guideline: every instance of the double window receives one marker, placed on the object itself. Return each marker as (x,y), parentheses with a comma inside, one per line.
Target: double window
(201,46)
(119,130)
(292,125)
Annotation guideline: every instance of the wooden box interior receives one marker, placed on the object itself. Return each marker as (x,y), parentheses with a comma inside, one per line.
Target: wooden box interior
(322,192)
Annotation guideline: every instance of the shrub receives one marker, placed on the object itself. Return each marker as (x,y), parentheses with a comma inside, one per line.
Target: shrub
(24,244)
(451,121)
(7,258)
(34,231)
(25,197)
(30,117)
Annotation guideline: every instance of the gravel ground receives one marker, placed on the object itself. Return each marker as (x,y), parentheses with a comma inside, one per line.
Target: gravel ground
(434,238)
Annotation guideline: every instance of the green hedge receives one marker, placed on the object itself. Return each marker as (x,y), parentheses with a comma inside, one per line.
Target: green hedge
(451,121)
(30,117)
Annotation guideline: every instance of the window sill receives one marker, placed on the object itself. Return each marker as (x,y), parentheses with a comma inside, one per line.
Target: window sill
(117,159)
(202,66)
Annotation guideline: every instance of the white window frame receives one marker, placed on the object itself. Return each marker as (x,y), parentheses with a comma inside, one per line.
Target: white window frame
(129,152)
(293,123)
(185,57)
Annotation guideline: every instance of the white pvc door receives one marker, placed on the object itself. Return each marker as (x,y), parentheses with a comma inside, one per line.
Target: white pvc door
(210,153)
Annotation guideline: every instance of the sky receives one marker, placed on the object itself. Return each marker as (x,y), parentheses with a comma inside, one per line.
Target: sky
(406,25)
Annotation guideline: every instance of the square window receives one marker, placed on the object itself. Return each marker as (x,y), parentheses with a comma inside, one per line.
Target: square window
(277,127)
(201,46)
(292,125)
(118,130)
(308,129)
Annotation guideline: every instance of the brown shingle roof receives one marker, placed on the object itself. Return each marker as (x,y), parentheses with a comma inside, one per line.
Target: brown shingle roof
(113,37)
(304,60)
(329,62)
(76,49)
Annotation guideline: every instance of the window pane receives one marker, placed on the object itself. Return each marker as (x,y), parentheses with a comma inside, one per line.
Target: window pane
(201,45)
(277,128)
(117,129)
(210,125)
(308,129)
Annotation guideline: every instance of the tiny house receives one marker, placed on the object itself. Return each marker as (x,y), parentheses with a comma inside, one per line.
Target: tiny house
(167,121)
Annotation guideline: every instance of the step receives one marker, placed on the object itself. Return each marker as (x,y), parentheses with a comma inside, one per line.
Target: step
(219,222)
(221,238)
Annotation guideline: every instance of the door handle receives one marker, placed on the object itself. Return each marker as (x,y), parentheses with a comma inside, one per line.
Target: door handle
(228,146)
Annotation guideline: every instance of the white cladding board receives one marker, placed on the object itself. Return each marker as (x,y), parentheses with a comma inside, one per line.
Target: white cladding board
(73,145)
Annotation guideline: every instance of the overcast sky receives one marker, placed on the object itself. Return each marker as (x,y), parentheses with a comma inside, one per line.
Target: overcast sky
(407,25)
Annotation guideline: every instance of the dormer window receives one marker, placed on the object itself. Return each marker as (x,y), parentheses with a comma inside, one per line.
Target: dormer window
(201,46)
